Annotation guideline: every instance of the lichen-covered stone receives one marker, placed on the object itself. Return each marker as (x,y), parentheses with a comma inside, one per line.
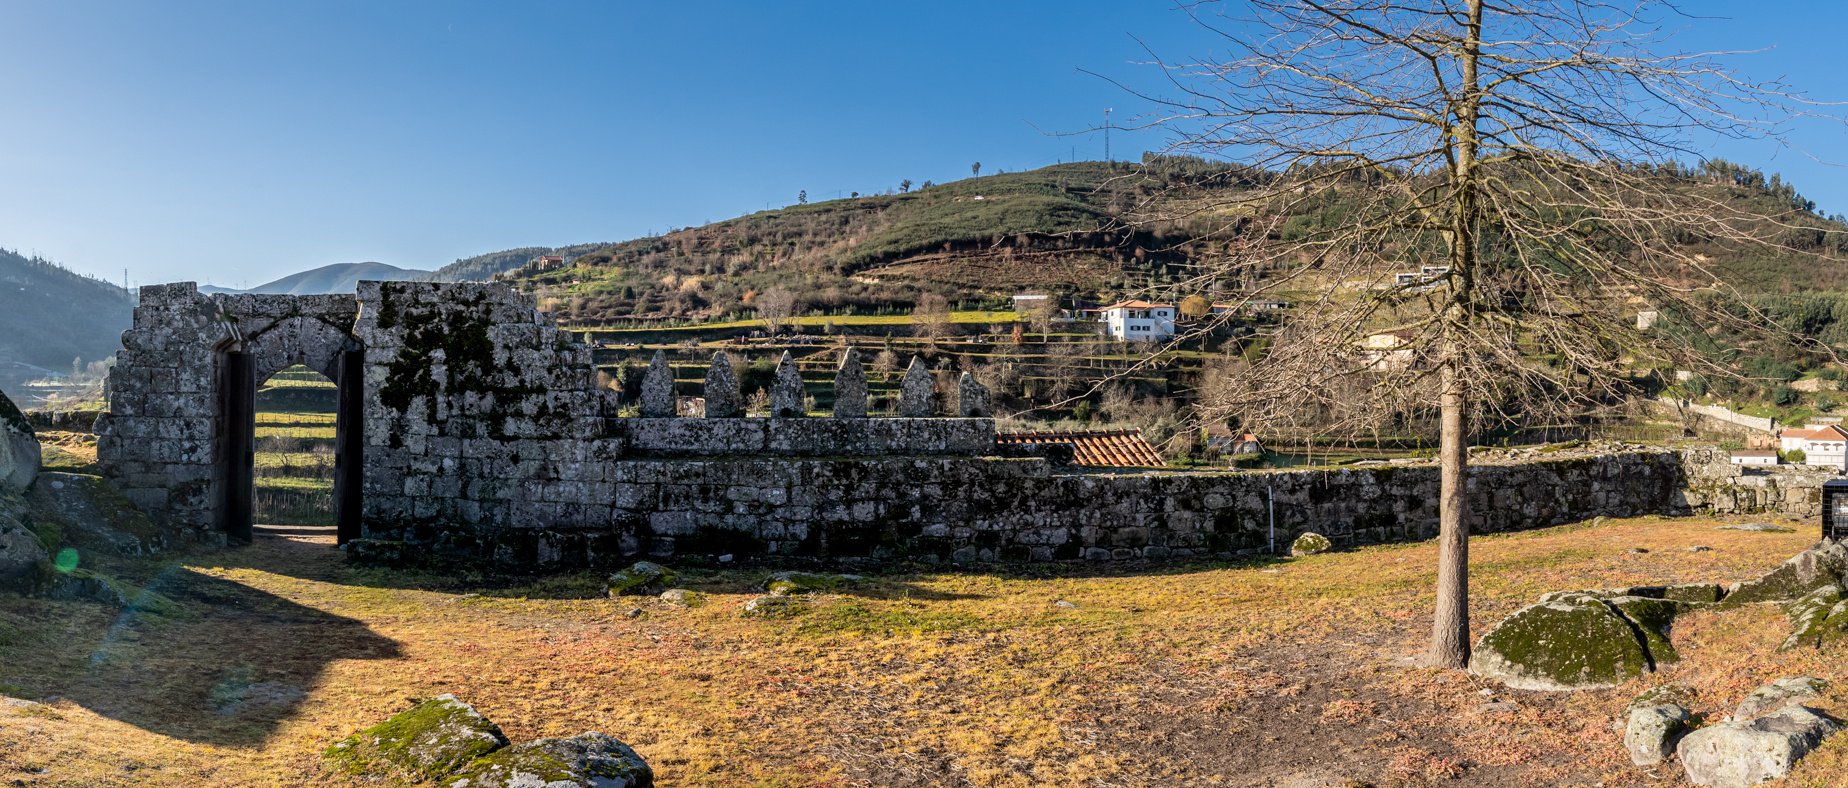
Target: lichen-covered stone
(642,578)
(788,399)
(1569,642)
(20,455)
(850,386)
(774,607)
(1819,618)
(22,555)
(1748,752)
(1779,695)
(429,741)
(658,388)
(722,398)
(1824,565)
(1310,543)
(589,760)
(1655,621)
(681,597)
(1764,528)
(87,512)
(791,583)
(971,398)
(1651,732)
(916,391)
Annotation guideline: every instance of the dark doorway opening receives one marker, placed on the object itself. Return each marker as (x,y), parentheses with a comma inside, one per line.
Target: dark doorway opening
(293,448)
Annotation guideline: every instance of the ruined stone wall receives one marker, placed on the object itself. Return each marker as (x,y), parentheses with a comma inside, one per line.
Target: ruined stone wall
(158,442)
(1715,486)
(162,439)
(970,509)
(487,438)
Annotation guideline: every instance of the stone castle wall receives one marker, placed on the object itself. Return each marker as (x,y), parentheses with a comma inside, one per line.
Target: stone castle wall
(968,509)
(487,438)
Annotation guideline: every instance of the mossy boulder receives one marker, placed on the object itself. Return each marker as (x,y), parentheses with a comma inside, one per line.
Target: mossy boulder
(774,607)
(431,740)
(1654,620)
(680,597)
(1779,695)
(642,578)
(1824,565)
(1573,641)
(89,513)
(792,583)
(592,760)
(1310,543)
(1819,618)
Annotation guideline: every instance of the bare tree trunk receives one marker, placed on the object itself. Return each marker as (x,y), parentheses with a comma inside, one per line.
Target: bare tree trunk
(1450,629)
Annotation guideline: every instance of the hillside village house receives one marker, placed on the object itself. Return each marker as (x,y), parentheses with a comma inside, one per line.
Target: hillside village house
(1145,321)
(1137,321)
(1824,447)
(1388,350)
(1754,457)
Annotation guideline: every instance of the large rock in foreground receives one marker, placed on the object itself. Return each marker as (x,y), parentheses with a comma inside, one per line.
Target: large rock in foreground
(446,742)
(592,760)
(22,555)
(431,740)
(1575,641)
(1819,567)
(1746,753)
(20,455)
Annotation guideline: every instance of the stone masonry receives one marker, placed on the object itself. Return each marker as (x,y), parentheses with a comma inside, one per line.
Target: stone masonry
(486,438)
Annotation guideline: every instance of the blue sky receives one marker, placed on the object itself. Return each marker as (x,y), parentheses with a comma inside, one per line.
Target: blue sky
(235,142)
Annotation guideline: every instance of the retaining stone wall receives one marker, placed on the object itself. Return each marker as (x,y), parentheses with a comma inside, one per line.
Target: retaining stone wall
(969,509)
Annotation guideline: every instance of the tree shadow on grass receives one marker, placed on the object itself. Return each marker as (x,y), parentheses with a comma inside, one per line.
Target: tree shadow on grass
(224,666)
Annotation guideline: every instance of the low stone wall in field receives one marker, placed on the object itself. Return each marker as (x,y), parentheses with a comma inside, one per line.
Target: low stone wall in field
(1713,485)
(976,509)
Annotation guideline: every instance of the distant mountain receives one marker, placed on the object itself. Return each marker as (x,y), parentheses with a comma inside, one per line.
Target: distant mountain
(336,278)
(50,315)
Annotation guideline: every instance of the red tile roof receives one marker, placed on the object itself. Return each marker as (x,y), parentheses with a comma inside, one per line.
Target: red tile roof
(1831,432)
(1094,448)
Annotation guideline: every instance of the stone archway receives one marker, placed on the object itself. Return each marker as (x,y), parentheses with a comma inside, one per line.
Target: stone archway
(311,340)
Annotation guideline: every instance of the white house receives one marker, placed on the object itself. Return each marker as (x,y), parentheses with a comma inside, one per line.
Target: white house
(1389,350)
(1137,321)
(1754,457)
(1825,447)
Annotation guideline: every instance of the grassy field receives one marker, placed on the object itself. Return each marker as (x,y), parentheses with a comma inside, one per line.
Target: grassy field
(295,449)
(1266,673)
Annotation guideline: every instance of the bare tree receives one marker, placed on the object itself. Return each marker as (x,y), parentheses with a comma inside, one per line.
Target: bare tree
(884,363)
(1506,212)
(931,316)
(775,307)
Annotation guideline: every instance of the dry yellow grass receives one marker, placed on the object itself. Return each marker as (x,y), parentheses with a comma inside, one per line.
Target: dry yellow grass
(1249,674)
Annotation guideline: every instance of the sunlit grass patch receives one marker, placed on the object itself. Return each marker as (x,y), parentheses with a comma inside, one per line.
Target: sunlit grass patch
(1226,673)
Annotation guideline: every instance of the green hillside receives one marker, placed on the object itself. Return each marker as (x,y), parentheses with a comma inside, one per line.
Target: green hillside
(50,316)
(1090,230)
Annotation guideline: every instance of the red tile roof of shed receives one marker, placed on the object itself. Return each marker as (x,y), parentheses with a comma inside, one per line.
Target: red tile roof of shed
(1095,448)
